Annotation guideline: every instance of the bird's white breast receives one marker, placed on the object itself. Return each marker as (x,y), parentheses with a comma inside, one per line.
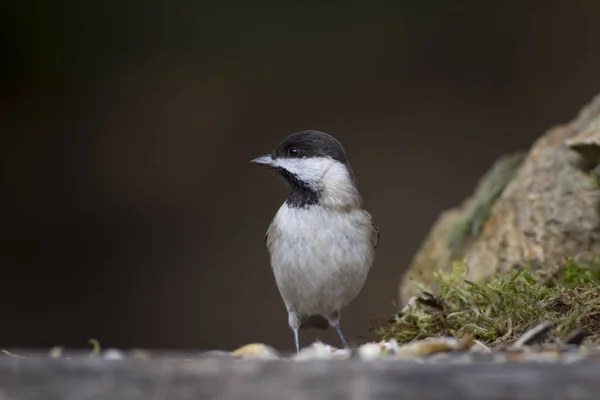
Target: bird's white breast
(321,257)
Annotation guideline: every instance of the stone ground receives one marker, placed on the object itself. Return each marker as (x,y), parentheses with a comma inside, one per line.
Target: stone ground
(533,367)
(163,377)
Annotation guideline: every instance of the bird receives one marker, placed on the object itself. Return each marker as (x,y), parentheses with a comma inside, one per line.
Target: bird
(321,242)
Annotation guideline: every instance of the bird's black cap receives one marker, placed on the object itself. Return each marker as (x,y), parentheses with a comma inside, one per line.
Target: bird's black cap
(311,144)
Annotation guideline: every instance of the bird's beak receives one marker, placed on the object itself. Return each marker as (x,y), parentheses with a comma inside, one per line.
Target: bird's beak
(263,160)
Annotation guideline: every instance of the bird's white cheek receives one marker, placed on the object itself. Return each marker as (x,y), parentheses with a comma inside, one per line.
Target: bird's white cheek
(303,169)
(287,164)
(308,170)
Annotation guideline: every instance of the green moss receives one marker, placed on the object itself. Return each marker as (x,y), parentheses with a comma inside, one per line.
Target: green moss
(504,306)
(488,190)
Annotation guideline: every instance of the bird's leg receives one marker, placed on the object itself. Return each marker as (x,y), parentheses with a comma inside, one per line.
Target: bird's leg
(294,322)
(339,331)
(334,321)
(296,341)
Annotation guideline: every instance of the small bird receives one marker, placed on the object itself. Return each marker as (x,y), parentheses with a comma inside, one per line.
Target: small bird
(321,241)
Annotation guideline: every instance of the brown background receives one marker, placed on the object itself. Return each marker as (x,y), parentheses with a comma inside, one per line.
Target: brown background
(129,210)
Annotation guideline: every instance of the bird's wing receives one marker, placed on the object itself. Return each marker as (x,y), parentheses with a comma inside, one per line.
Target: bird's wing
(272,233)
(374,230)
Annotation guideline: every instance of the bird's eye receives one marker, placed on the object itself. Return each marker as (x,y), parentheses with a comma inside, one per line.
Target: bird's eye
(294,152)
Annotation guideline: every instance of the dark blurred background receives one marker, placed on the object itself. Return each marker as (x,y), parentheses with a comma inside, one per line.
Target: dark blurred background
(129,209)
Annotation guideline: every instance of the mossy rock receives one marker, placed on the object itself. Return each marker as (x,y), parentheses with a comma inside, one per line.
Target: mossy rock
(537,209)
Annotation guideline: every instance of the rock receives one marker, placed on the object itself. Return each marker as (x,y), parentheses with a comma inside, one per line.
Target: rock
(257,351)
(535,334)
(56,352)
(427,347)
(373,350)
(370,351)
(216,354)
(535,209)
(587,141)
(577,337)
(320,351)
(480,347)
(139,354)
(113,354)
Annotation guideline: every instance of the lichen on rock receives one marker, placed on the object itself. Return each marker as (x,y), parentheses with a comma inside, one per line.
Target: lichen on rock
(476,211)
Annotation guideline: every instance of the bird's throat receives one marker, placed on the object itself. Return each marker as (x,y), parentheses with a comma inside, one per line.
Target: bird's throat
(303,195)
